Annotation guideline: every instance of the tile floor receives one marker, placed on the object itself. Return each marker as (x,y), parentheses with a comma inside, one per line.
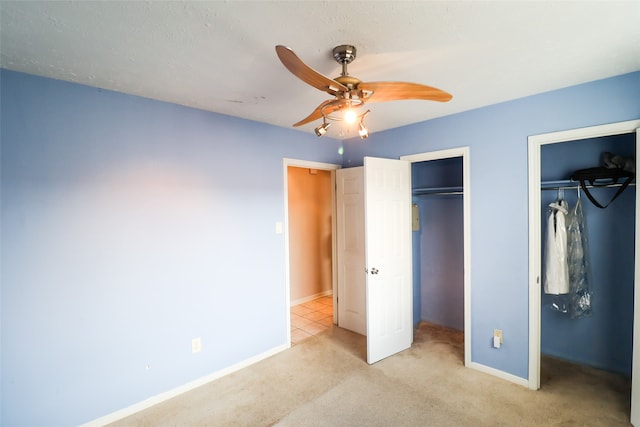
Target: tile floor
(311,318)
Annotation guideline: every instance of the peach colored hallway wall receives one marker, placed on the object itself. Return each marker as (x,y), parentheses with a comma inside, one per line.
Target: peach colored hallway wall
(309,232)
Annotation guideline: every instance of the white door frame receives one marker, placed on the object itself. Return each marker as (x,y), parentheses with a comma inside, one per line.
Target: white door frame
(466,203)
(286,162)
(535,239)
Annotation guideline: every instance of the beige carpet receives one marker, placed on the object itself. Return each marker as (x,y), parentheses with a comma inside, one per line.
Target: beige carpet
(325,381)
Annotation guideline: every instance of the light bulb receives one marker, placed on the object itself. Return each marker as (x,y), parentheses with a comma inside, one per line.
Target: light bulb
(350,116)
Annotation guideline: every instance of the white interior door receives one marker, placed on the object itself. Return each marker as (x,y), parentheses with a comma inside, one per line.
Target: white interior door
(635,370)
(389,296)
(351,304)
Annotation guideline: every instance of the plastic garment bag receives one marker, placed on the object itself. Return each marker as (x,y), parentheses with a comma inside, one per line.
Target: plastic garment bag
(578,263)
(556,276)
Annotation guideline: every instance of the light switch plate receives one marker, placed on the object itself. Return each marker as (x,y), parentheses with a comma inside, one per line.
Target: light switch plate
(415,217)
(196,345)
(497,338)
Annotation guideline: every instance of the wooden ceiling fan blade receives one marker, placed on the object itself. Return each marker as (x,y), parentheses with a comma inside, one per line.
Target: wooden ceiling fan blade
(317,113)
(395,91)
(307,74)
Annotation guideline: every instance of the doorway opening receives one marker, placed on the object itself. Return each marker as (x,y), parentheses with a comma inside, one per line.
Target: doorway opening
(547,146)
(309,247)
(463,154)
(441,219)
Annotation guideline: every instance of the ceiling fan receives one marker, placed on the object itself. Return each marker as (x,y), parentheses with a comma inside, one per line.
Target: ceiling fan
(350,93)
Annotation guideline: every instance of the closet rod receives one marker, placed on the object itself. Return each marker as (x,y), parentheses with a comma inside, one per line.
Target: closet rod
(437,191)
(445,193)
(566,185)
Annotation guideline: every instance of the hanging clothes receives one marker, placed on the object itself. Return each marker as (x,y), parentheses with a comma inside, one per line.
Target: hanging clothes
(556,277)
(579,263)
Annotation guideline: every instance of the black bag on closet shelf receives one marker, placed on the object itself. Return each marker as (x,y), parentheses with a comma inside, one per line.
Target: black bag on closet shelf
(601,177)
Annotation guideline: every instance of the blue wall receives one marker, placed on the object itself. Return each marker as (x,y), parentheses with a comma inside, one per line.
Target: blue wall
(497,137)
(604,339)
(129,227)
(439,251)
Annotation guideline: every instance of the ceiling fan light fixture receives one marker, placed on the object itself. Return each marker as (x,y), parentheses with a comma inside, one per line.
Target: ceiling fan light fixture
(349,91)
(362,131)
(322,129)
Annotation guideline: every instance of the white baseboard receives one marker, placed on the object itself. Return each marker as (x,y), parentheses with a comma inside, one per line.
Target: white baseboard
(122,413)
(500,374)
(311,298)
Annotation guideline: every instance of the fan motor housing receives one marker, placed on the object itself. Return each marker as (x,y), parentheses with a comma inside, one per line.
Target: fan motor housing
(344,54)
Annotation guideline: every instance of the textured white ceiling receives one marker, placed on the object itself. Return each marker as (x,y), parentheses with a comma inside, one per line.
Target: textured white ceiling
(219,55)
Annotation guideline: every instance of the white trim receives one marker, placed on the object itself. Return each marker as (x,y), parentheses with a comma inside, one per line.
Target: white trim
(498,373)
(311,298)
(162,397)
(463,152)
(334,246)
(310,164)
(286,162)
(535,264)
(635,379)
(535,224)
(436,155)
(584,133)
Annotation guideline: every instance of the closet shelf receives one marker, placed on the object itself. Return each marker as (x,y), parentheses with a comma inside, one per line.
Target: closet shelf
(568,184)
(437,191)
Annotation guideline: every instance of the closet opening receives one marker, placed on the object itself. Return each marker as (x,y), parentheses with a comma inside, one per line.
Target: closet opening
(440,225)
(310,246)
(583,337)
(594,329)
